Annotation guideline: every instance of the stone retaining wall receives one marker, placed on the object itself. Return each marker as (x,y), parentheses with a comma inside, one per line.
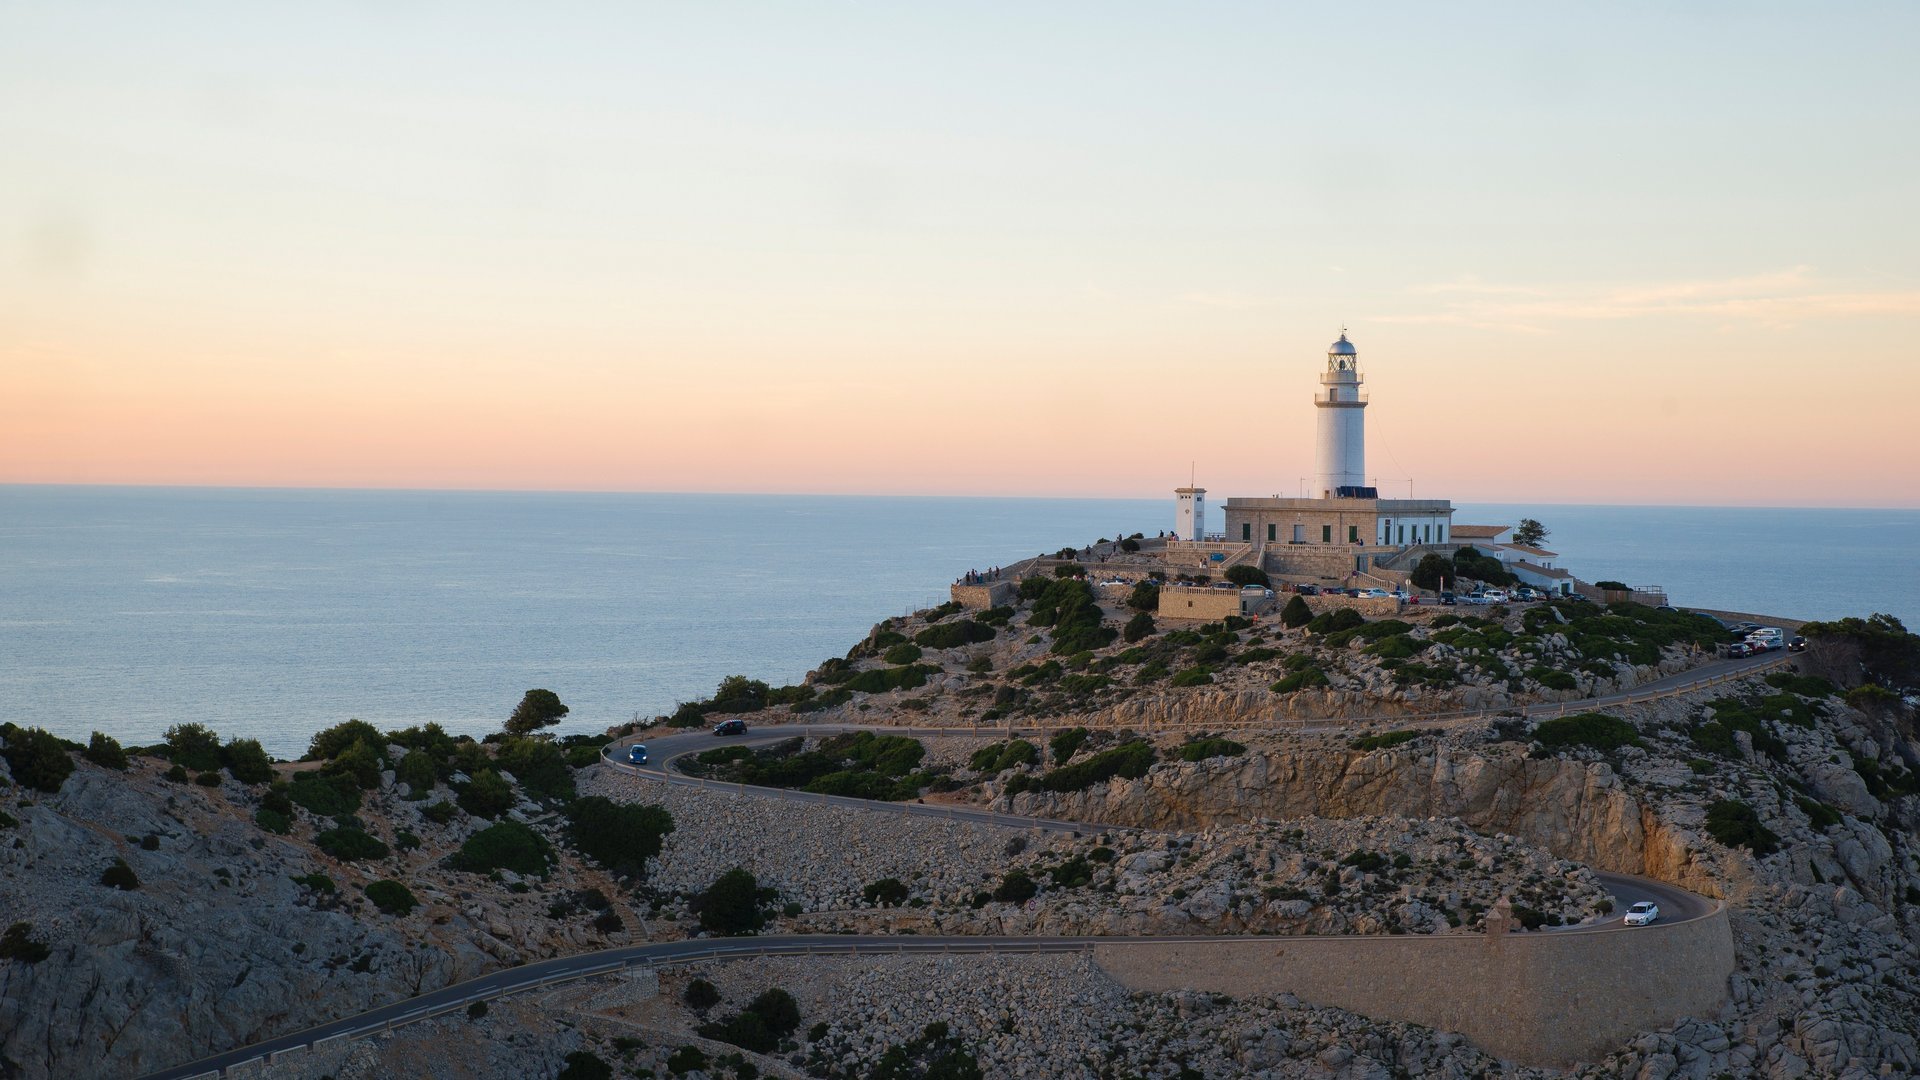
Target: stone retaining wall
(1538,999)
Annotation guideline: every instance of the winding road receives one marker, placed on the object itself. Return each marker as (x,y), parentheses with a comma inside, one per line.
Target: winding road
(1676,905)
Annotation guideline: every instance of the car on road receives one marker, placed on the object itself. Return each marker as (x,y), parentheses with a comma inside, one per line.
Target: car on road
(1495,596)
(1375,594)
(1307,590)
(730,727)
(1798,644)
(1642,913)
(1736,650)
(1448,599)
(637,753)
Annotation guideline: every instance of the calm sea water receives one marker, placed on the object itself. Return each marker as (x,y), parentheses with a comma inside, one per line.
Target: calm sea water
(270,613)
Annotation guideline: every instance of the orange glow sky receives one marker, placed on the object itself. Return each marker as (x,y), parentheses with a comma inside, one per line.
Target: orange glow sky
(1586,256)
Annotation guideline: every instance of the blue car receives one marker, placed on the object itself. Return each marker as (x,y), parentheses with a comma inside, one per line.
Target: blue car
(637,753)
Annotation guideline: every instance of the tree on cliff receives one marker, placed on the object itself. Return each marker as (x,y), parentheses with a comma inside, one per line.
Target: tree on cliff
(538,709)
(1296,613)
(1529,532)
(1432,571)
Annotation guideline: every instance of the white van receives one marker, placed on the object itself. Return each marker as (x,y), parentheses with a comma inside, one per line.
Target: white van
(1769,637)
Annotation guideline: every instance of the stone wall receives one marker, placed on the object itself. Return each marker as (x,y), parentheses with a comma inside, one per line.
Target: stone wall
(981,597)
(1201,605)
(1538,998)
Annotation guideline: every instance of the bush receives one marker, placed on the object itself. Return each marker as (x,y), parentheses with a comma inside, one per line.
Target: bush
(760,1026)
(1333,622)
(1248,575)
(418,772)
(952,635)
(487,795)
(584,1065)
(1016,888)
(1431,572)
(439,813)
(17,944)
(208,779)
(1130,760)
(700,995)
(36,758)
(1305,677)
(1551,678)
(996,757)
(1735,824)
(177,774)
(687,1059)
(887,892)
(120,876)
(247,761)
(1296,613)
(316,881)
(194,746)
(1595,730)
(1138,627)
(1612,586)
(327,796)
(1383,741)
(619,836)
(1068,607)
(104,750)
(731,906)
(537,709)
(1202,749)
(904,653)
(349,844)
(333,741)
(361,761)
(1145,597)
(1065,743)
(506,845)
(538,765)
(391,897)
(273,821)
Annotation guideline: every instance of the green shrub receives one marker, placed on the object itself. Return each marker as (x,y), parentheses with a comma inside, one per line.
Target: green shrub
(619,836)
(1431,572)
(1811,686)
(405,841)
(1068,607)
(419,773)
(194,746)
(1336,621)
(177,774)
(316,881)
(391,897)
(326,796)
(1595,730)
(584,1065)
(1819,814)
(1065,743)
(335,740)
(505,845)
(1305,677)
(687,1059)
(537,765)
(996,757)
(1016,888)
(120,876)
(439,813)
(1202,749)
(954,634)
(1075,873)
(1296,613)
(247,761)
(1193,676)
(1248,575)
(18,944)
(1551,678)
(361,761)
(1130,760)
(887,892)
(537,709)
(487,795)
(208,779)
(1396,647)
(37,759)
(700,995)
(1138,628)
(105,751)
(349,844)
(1383,741)
(1612,586)
(1144,598)
(903,653)
(1735,824)
(732,905)
(273,821)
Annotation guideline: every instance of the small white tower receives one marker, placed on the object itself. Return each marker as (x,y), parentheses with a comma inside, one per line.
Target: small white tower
(1342,440)
(1190,513)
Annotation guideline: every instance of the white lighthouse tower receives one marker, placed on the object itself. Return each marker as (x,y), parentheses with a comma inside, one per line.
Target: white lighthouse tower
(1190,513)
(1341,439)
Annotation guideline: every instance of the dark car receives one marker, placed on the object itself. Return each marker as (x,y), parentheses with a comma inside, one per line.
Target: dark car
(1798,644)
(730,727)
(1449,599)
(1737,650)
(1308,590)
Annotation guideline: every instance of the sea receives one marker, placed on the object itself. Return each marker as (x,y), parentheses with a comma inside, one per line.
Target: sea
(270,614)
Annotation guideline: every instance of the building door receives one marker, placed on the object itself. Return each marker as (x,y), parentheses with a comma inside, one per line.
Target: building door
(1299,534)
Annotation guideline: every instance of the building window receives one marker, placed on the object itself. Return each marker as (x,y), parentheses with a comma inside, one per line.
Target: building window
(1353,534)
(1326,534)
(1443,534)
(1270,529)
(1403,534)
(1246,530)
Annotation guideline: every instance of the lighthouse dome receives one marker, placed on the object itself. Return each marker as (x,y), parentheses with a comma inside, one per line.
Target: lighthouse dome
(1343,347)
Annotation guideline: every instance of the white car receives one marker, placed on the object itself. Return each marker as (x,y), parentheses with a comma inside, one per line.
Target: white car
(1375,594)
(1495,596)
(1642,913)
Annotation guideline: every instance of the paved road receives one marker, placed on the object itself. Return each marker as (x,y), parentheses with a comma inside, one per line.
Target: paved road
(1676,905)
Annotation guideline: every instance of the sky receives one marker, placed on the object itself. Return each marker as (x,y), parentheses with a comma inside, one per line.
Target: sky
(1620,253)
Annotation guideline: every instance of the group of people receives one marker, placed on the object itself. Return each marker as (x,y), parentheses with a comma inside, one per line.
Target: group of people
(977,577)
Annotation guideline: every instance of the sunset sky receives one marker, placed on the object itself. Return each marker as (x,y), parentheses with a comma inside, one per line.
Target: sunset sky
(1589,253)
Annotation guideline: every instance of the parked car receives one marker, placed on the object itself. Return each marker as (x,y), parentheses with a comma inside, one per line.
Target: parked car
(1770,637)
(1736,650)
(1798,644)
(1307,590)
(1642,913)
(1495,596)
(730,727)
(1448,599)
(637,753)
(1375,594)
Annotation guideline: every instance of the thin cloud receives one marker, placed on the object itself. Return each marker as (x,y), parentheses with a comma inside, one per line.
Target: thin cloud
(1773,300)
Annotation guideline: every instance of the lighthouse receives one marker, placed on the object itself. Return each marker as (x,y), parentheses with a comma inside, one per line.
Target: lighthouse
(1341,461)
